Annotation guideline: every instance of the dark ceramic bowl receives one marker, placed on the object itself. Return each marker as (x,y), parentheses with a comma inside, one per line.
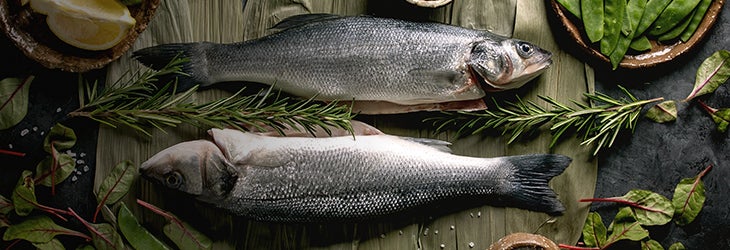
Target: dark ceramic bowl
(659,54)
(29,32)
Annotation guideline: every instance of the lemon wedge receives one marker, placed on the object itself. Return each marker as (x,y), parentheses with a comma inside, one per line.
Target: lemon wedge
(86,24)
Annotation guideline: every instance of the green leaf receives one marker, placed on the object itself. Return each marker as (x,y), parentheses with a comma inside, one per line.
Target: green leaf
(721,117)
(60,137)
(677,246)
(594,231)
(663,112)
(116,185)
(186,237)
(4,221)
(48,175)
(106,237)
(24,194)
(651,208)
(40,229)
(54,244)
(625,227)
(689,197)
(136,235)
(5,205)
(85,247)
(712,73)
(13,101)
(651,245)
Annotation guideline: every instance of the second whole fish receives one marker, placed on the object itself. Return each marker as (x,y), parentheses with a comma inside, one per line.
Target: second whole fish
(383,65)
(289,179)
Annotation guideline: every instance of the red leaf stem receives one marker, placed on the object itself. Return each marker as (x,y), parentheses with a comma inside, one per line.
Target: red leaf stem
(622,201)
(707,108)
(91,228)
(13,153)
(26,81)
(12,244)
(106,196)
(53,168)
(694,186)
(168,216)
(53,211)
(564,246)
(707,80)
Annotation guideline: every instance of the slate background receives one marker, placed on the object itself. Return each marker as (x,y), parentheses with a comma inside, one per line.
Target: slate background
(656,157)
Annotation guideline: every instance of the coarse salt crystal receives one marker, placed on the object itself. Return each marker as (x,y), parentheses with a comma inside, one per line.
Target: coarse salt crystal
(24,132)
(471,244)
(86,168)
(58,110)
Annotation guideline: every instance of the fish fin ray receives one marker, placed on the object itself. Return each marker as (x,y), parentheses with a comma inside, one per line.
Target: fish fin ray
(299,20)
(530,188)
(194,69)
(437,144)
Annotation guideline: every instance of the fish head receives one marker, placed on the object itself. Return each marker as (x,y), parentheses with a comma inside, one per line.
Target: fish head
(198,168)
(509,63)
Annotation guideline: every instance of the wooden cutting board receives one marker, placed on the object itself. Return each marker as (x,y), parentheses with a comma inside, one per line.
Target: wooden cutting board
(228,21)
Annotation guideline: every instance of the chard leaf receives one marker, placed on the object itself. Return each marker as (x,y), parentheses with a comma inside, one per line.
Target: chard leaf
(54,244)
(40,229)
(185,236)
(651,245)
(5,205)
(689,197)
(136,235)
(4,221)
(13,101)
(105,236)
(663,112)
(85,247)
(712,73)
(650,208)
(50,171)
(116,185)
(677,246)
(594,231)
(60,138)
(24,194)
(720,116)
(625,227)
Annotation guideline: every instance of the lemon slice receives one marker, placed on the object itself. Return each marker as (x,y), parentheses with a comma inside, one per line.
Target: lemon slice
(86,24)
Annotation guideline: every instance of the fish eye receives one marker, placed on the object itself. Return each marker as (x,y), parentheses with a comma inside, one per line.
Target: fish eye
(524,49)
(173,179)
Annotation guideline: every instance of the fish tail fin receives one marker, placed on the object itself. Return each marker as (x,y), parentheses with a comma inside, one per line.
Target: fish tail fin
(530,188)
(194,69)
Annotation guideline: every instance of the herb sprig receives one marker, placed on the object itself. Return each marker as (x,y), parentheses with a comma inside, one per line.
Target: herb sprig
(142,105)
(599,125)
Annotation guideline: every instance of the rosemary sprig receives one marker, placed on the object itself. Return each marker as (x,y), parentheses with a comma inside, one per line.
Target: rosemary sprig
(142,105)
(598,125)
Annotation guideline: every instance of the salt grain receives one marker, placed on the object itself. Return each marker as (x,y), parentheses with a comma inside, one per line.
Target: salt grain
(435,231)
(400,232)
(86,168)
(425,232)
(35,129)
(74,178)
(452,227)
(10,146)
(479,214)
(382,236)
(80,162)
(442,246)
(58,110)
(471,244)
(82,155)
(24,132)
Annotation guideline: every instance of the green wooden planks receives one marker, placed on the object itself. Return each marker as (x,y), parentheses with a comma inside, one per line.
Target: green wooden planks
(476,228)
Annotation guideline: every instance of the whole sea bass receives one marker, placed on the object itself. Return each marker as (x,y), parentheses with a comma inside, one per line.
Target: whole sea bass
(385,65)
(289,179)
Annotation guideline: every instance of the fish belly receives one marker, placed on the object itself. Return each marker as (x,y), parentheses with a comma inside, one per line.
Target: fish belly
(356,58)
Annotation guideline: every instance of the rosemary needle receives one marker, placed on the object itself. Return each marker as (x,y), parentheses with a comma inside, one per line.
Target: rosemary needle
(142,105)
(599,125)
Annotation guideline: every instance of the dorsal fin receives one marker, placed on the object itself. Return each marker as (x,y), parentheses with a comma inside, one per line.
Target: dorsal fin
(439,145)
(299,20)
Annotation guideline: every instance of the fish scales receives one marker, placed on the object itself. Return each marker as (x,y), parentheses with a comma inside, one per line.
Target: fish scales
(291,179)
(349,53)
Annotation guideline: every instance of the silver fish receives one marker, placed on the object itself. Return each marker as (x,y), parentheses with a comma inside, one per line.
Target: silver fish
(288,179)
(396,65)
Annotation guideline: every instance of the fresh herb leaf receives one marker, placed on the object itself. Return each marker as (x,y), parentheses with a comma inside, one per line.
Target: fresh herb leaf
(625,227)
(59,138)
(185,236)
(6,206)
(54,244)
(136,235)
(677,246)
(59,169)
(689,197)
(712,73)
(24,194)
(103,235)
(721,117)
(663,112)
(13,101)
(651,208)
(40,229)
(594,231)
(116,185)
(651,245)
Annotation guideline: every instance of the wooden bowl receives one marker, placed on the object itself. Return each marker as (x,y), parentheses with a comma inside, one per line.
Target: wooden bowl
(659,54)
(30,33)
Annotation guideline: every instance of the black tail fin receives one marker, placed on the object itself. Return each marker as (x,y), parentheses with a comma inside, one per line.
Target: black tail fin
(195,69)
(530,188)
